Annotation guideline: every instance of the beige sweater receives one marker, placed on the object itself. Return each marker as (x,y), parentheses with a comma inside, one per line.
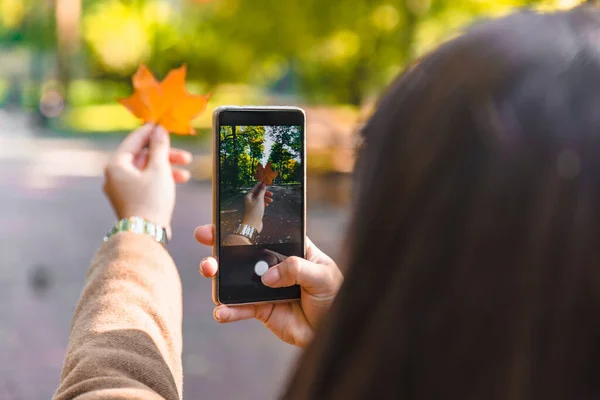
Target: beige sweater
(125,338)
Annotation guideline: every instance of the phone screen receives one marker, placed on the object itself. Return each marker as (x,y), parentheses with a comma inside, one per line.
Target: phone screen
(261,178)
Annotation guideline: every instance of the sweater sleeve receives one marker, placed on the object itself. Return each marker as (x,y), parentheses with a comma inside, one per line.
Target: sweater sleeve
(125,340)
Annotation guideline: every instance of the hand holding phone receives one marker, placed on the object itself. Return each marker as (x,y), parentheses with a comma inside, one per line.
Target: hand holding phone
(318,277)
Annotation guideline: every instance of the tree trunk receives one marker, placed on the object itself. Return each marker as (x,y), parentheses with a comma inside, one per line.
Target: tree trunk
(281,163)
(68,18)
(235,158)
(360,77)
(407,43)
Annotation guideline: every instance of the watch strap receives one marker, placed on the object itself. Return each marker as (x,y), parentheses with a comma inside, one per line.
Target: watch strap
(247,231)
(140,226)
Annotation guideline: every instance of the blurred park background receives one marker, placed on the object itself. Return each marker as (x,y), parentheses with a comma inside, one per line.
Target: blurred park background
(64,63)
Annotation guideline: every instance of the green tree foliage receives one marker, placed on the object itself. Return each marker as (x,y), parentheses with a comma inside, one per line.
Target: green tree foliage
(27,22)
(240,151)
(326,51)
(330,51)
(243,147)
(255,147)
(286,153)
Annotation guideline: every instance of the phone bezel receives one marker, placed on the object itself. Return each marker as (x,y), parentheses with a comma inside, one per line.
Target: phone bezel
(253,115)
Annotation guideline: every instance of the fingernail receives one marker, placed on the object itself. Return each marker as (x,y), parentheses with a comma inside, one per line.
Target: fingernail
(263,186)
(271,277)
(222,314)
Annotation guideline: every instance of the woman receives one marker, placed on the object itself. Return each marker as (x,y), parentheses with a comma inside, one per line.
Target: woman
(473,261)
(125,338)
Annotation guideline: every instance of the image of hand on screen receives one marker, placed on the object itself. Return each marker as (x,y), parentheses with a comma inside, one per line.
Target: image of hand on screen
(261,178)
(255,202)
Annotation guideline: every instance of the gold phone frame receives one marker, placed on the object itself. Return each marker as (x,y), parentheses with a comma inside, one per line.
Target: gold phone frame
(215,183)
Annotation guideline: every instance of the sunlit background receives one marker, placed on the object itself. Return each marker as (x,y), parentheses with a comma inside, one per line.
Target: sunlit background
(63,65)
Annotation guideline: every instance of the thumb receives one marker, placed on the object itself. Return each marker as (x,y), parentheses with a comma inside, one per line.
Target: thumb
(312,277)
(159,147)
(262,189)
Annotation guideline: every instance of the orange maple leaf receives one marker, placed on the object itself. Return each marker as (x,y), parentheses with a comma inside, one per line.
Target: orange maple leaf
(265,174)
(165,103)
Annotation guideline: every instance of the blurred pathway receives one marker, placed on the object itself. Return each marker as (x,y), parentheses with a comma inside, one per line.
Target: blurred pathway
(52,219)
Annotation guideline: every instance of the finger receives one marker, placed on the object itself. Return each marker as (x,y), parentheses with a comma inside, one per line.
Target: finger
(268,194)
(176,157)
(252,192)
(256,189)
(181,175)
(313,252)
(136,140)
(205,234)
(298,271)
(224,314)
(159,148)
(208,267)
(311,245)
(268,200)
(140,160)
(261,191)
(272,257)
(180,157)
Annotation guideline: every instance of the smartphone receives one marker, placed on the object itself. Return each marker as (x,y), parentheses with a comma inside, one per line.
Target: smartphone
(259,199)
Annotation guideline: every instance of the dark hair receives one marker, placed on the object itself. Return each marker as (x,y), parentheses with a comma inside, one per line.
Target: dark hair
(474,250)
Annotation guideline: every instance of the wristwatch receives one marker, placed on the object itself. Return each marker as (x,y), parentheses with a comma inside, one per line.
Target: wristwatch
(247,231)
(140,226)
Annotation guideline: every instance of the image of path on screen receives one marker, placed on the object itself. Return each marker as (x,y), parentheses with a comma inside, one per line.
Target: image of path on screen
(243,151)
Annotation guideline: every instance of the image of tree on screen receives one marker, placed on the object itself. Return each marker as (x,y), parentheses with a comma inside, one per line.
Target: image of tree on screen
(270,155)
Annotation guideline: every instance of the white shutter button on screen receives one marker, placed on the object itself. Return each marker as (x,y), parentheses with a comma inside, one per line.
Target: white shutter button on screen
(261,267)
